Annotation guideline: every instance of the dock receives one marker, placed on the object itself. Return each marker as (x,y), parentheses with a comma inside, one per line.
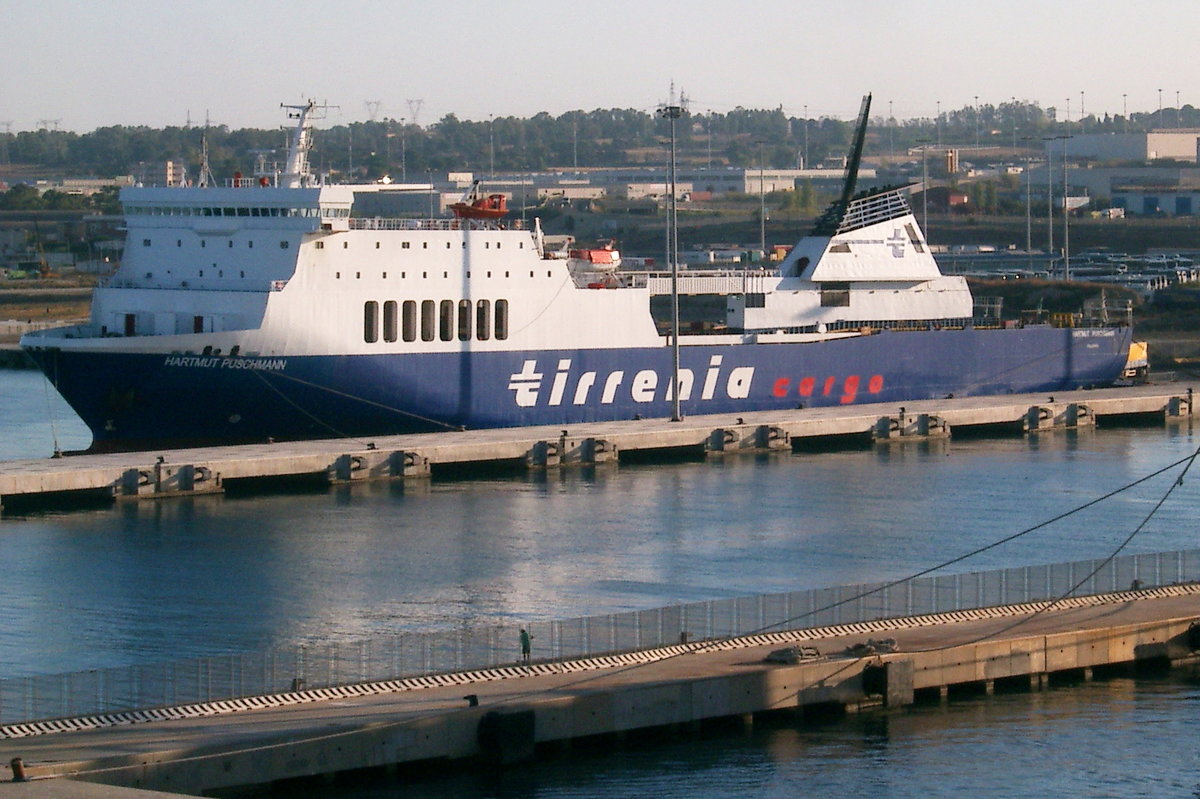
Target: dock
(518,713)
(166,473)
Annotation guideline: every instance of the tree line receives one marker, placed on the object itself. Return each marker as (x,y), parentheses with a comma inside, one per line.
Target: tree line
(576,139)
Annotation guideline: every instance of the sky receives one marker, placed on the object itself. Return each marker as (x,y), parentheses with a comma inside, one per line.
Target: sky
(91,64)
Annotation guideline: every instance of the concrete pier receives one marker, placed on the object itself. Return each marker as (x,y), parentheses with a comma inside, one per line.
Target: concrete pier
(189,472)
(857,667)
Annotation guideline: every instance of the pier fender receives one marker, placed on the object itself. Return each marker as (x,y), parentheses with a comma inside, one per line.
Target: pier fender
(1039,417)
(772,437)
(1080,415)
(887,427)
(408,464)
(891,679)
(1180,406)
(543,454)
(1193,636)
(506,737)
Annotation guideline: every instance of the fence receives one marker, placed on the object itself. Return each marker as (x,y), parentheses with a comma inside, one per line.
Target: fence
(416,654)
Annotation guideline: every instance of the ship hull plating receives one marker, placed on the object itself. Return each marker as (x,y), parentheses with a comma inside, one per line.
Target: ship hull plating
(132,401)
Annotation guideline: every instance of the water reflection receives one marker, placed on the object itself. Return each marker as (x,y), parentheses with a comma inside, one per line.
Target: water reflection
(148,581)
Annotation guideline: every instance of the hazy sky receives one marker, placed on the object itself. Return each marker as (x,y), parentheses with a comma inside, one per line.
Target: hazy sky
(136,62)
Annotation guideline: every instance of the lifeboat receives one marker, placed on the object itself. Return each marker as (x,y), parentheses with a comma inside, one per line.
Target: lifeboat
(475,206)
(605,258)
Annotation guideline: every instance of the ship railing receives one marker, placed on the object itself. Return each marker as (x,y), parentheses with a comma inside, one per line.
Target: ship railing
(415,654)
(870,210)
(257,286)
(709,281)
(402,223)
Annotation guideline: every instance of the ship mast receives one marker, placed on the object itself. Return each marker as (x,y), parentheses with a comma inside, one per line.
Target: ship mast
(296,173)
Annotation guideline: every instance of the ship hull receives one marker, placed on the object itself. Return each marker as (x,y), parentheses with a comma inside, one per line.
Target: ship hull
(135,401)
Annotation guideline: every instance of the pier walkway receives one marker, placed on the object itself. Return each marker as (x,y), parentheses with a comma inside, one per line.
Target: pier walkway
(507,718)
(188,472)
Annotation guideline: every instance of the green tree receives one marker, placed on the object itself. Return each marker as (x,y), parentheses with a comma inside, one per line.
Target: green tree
(22,197)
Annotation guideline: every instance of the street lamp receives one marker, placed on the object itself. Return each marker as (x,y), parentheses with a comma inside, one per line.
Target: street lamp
(891,131)
(924,189)
(762,204)
(1049,198)
(673,112)
(806,136)
(977,121)
(709,117)
(491,147)
(403,165)
(1066,217)
(1028,200)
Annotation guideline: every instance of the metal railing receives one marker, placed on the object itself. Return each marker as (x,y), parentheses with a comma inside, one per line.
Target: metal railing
(417,654)
(406,223)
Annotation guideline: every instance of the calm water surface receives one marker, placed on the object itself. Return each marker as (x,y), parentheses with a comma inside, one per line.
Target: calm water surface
(1121,738)
(164,580)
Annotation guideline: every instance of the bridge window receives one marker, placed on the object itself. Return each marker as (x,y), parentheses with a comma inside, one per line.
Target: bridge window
(483,320)
(389,320)
(428,320)
(409,320)
(370,321)
(501,320)
(446,319)
(835,295)
(464,320)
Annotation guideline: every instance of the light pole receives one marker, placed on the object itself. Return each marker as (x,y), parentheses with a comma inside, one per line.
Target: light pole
(891,132)
(977,121)
(939,124)
(673,112)
(1178,110)
(762,204)
(709,126)
(403,165)
(1125,111)
(1066,217)
(1014,121)
(806,136)
(1160,124)
(1049,199)
(924,143)
(1028,200)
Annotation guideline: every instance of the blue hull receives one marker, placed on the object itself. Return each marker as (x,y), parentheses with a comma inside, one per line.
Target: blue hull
(139,400)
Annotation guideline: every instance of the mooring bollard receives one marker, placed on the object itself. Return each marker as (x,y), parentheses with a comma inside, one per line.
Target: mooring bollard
(18,770)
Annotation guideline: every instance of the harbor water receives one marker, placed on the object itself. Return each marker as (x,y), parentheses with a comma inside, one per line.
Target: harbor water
(139,583)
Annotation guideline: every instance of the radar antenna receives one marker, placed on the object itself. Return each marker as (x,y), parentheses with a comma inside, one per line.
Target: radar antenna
(296,173)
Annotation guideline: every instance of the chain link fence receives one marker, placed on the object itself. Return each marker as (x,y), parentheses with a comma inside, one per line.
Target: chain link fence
(417,654)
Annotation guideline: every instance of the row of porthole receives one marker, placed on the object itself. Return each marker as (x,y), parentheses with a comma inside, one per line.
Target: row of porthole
(432,320)
(405,245)
(283,245)
(425,275)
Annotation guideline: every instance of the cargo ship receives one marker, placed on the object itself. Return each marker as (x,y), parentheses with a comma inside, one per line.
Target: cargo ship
(268,309)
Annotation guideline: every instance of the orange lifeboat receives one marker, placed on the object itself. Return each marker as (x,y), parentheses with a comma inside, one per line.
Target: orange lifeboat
(476,206)
(605,258)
